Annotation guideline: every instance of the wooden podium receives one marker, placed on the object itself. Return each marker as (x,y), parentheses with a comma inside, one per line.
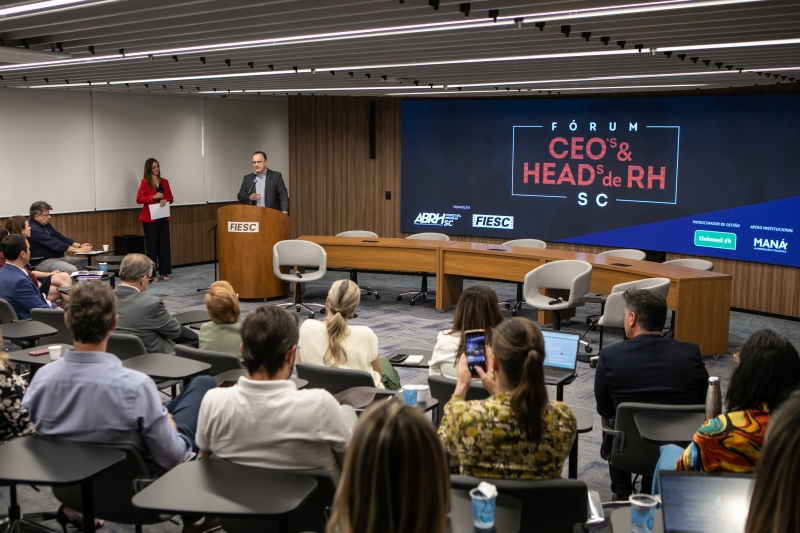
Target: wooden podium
(245,237)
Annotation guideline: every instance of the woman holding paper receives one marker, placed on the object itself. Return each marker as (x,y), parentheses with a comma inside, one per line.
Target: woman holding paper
(155,194)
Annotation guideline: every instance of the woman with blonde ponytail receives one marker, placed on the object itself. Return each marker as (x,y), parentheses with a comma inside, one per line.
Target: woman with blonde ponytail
(517,433)
(335,343)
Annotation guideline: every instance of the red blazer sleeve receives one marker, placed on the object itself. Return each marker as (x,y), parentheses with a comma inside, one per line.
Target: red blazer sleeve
(167,191)
(145,196)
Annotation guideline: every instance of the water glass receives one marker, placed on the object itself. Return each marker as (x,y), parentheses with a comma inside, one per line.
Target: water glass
(643,512)
(482,509)
(410,396)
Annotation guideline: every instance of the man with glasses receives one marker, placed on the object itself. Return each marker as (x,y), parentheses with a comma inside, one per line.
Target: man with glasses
(264,187)
(48,246)
(145,315)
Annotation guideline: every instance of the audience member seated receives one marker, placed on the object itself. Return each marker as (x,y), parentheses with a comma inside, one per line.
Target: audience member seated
(145,315)
(773,506)
(88,396)
(15,285)
(477,308)
(646,368)
(395,476)
(334,343)
(767,371)
(48,283)
(49,246)
(264,420)
(224,332)
(14,419)
(516,433)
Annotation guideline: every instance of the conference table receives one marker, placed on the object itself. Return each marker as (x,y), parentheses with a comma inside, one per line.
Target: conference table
(701,300)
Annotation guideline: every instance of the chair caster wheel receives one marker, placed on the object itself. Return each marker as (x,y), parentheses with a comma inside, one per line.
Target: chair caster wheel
(322,310)
(514,312)
(298,309)
(424,297)
(587,349)
(588,321)
(310,315)
(369,293)
(411,302)
(377,296)
(399,298)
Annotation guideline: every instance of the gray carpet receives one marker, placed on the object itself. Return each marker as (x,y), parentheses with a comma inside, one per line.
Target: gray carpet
(399,325)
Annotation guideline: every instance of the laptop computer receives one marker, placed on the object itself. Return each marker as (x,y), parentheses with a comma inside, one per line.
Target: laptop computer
(705,502)
(560,356)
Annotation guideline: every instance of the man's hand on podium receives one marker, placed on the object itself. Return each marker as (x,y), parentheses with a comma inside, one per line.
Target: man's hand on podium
(255,197)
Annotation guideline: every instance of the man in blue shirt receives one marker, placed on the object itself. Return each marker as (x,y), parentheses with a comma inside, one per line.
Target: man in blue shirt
(15,285)
(88,396)
(48,244)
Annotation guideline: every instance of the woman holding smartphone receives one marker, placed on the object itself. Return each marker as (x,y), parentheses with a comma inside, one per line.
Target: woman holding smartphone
(155,190)
(517,433)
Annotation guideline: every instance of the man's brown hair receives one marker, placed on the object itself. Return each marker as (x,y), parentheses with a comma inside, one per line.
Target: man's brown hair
(91,310)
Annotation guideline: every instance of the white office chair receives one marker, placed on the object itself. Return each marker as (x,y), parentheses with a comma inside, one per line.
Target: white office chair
(517,302)
(697,264)
(299,254)
(574,276)
(627,253)
(423,292)
(354,272)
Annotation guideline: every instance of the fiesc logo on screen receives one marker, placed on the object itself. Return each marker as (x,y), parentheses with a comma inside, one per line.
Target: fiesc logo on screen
(436,219)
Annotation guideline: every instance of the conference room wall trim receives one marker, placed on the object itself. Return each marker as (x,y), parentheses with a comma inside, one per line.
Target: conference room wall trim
(337,187)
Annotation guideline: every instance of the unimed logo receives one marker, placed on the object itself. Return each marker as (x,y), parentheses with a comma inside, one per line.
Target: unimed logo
(492,221)
(242,227)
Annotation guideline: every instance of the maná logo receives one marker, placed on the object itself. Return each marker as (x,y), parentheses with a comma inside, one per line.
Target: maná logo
(771,245)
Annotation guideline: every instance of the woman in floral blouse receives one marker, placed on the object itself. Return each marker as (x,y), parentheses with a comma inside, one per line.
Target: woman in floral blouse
(516,433)
(14,421)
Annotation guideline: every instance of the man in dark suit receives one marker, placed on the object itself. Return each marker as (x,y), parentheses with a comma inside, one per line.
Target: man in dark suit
(647,368)
(15,285)
(145,315)
(264,187)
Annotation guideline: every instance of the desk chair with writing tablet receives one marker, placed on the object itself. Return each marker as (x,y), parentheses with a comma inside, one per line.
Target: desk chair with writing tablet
(127,346)
(423,291)
(298,254)
(571,275)
(517,302)
(442,388)
(333,380)
(552,505)
(7,313)
(697,264)
(220,361)
(354,272)
(55,319)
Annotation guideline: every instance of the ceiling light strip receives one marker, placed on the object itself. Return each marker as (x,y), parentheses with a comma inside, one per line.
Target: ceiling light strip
(746,44)
(25,8)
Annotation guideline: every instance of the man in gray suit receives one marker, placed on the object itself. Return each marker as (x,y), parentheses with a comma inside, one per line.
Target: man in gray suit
(145,315)
(264,187)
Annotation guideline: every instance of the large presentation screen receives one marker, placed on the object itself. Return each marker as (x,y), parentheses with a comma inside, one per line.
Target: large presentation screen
(714,176)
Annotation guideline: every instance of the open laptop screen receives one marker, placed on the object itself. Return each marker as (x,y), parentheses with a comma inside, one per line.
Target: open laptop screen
(705,502)
(560,349)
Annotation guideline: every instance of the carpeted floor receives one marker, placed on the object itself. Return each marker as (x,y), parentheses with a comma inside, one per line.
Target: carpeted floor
(399,325)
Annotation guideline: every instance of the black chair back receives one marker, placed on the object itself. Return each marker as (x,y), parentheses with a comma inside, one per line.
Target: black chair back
(220,361)
(442,389)
(125,346)
(7,313)
(552,505)
(333,380)
(55,319)
(113,490)
(311,516)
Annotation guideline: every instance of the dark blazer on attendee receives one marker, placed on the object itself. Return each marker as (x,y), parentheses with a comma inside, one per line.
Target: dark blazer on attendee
(275,193)
(649,369)
(20,291)
(46,242)
(146,316)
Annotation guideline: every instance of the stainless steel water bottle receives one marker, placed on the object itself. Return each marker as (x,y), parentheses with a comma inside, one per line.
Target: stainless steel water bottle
(713,399)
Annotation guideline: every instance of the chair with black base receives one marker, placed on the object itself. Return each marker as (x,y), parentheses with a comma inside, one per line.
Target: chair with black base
(113,491)
(442,389)
(7,313)
(423,291)
(299,254)
(220,361)
(517,302)
(571,275)
(55,319)
(333,380)
(126,346)
(311,516)
(354,272)
(552,505)
(629,452)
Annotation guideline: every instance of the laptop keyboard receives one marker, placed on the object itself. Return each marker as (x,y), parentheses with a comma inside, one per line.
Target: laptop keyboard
(556,374)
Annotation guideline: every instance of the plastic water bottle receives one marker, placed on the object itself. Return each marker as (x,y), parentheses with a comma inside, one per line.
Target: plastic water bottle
(713,399)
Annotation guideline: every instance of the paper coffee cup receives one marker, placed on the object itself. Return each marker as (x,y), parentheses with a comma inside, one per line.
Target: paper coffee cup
(422,392)
(105,247)
(55,352)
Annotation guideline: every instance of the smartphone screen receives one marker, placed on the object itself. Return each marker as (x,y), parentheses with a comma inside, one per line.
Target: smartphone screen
(475,350)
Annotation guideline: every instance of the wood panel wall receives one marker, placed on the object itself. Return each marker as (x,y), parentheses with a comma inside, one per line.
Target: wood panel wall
(337,187)
(189,225)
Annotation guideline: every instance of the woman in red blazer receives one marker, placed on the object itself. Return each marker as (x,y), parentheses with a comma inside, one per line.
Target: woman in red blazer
(155,190)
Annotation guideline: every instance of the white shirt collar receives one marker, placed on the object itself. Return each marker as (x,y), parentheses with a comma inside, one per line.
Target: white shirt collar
(19,267)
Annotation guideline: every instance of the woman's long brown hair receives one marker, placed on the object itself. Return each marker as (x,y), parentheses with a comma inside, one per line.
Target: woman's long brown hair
(148,172)
(477,308)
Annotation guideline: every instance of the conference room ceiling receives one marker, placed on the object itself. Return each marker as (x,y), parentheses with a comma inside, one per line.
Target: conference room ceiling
(385,47)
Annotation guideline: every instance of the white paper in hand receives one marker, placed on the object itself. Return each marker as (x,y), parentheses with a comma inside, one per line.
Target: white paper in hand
(488,490)
(156,211)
